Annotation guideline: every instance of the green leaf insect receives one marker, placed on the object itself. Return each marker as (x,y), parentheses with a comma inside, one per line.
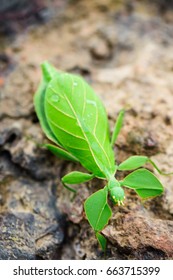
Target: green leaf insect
(74,119)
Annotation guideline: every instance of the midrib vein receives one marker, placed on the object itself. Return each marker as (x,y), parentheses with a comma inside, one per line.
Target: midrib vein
(98,140)
(100,215)
(86,139)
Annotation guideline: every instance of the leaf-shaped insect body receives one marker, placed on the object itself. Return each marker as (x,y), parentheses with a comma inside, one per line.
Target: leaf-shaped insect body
(77,118)
(116,191)
(73,117)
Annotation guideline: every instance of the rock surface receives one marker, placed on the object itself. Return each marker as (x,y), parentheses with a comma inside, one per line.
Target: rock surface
(141,237)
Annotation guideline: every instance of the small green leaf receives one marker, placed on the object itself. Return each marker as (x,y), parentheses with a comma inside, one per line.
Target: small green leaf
(102,240)
(59,152)
(132,162)
(117,127)
(97,210)
(76,177)
(144,183)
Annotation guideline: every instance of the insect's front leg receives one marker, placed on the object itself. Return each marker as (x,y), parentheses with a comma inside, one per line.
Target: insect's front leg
(76,177)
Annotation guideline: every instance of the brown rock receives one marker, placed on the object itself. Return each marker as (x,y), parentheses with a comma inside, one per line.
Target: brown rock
(139,235)
(100,48)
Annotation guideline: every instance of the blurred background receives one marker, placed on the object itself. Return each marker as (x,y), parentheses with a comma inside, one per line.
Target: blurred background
(124,49)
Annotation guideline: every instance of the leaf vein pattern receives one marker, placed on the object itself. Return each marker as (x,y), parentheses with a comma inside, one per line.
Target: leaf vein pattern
(57,93)
(98,140)
(65,130)
(86,139)
(104,138)
(100,215)
(62,112)
(81,149)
